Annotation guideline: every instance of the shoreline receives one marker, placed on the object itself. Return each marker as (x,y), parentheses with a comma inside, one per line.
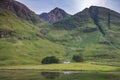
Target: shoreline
(64,67)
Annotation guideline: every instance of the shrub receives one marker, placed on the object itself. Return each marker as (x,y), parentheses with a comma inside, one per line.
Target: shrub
(50,60)
(77,58)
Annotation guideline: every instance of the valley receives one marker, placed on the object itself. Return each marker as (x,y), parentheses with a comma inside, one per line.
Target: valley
(26,38)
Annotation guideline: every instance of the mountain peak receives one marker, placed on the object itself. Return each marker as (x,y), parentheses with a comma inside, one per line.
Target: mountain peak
(57,8)
(21,10)
(54,15)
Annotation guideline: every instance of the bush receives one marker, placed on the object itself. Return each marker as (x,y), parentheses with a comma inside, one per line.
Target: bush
(50,60)
(78,58)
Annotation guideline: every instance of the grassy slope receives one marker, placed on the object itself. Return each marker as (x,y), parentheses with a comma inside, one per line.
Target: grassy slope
(82,36)
(87,44)
(25,45)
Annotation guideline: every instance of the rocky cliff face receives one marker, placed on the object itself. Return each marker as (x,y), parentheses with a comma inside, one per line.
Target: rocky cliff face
(54,15)
(20,10)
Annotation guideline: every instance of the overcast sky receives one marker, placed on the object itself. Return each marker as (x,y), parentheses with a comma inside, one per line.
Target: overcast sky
(70,6)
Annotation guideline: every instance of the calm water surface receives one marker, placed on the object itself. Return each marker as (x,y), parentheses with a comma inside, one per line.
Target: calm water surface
(38,75)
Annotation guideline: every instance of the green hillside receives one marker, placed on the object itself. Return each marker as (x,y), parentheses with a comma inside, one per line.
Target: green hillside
(21,41)
(94,32)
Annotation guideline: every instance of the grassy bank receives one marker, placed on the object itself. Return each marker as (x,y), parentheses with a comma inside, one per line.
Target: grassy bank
(64,67)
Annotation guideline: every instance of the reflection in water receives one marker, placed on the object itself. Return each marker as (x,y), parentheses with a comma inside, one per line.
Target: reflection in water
(37,75)
(68,72)
(50,75)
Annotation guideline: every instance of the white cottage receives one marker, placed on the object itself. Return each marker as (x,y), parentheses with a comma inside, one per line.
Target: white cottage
(66,62)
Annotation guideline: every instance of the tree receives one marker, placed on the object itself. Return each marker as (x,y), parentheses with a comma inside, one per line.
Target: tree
(78,58)
(50,60)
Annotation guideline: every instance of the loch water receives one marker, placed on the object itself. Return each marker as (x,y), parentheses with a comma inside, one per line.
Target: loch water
(56,75)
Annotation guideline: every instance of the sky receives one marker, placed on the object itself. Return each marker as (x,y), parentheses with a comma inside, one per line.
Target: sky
(70,6)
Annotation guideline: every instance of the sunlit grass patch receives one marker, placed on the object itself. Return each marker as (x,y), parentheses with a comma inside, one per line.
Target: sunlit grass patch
(66,67)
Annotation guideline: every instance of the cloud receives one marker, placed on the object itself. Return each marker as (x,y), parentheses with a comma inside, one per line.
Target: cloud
(82,4)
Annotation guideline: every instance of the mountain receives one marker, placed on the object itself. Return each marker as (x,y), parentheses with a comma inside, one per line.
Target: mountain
(93,13)
(20,10)
(22,38)
(94,32)
(54,15)
(27,39)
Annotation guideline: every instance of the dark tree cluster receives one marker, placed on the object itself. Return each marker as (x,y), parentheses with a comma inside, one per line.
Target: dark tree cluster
(50,60)
(78,58)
